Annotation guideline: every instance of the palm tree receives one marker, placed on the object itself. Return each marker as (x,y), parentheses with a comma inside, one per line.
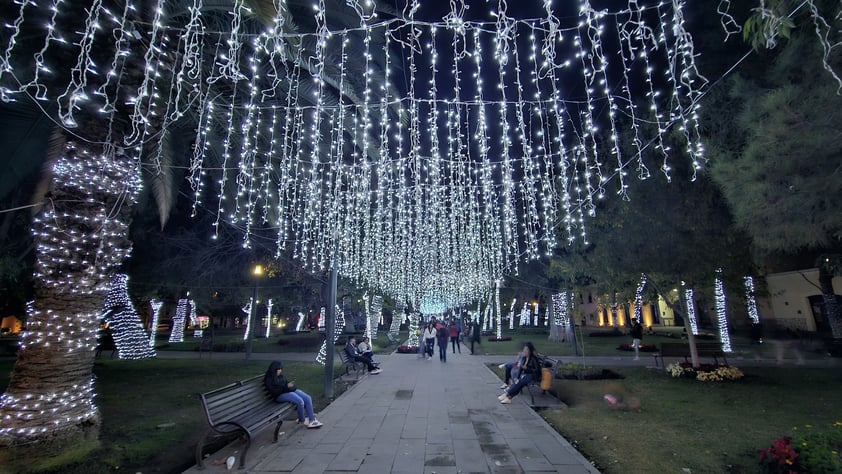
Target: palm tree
(81,235)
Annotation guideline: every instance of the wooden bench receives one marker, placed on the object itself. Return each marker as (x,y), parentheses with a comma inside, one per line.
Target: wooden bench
(358,367)
(543,361)
(244,407)
(677,349)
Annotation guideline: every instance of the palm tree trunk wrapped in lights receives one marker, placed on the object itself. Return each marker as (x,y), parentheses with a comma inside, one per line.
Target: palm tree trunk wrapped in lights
(81,237)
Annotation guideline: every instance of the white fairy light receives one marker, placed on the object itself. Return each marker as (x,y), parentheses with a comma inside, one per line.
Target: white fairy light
(156,314)
(129,336)
(638,299)
(80,240)
(247,311)
(299,326)
(178,321)
(691,310)
(751,301)
(339,326)
(345,166)
(268,317)
(721,313)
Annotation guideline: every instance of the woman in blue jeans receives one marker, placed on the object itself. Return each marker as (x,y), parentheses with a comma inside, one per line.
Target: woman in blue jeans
(285,391)
(530,369)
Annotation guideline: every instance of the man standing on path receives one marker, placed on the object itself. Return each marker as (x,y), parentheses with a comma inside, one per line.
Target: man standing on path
(475,335)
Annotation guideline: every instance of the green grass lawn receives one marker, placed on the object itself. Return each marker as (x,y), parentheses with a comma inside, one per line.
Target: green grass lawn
(683,423)
(151,418)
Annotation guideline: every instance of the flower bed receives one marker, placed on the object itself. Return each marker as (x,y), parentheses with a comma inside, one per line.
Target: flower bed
(404,349)
(643,347)
(808,450)
(705,372)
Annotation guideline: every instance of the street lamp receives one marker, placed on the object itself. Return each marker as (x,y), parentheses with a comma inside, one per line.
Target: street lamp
(256,272)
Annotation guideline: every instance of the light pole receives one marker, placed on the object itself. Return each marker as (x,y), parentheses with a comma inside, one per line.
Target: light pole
(256,272)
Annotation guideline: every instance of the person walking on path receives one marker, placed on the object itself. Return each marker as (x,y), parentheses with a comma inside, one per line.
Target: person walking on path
(637,336)
(430,339)
(475,335)
(530,370)
(283,390)
(441,339)
(454,337)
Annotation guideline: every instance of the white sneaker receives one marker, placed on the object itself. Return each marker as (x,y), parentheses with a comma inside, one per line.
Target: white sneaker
(501,366)
(314,424)
(305,422)
(506,401)
(504,387)
(375,371)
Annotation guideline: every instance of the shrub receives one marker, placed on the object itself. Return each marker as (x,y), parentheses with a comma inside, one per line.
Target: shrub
(778,458)
(705,372)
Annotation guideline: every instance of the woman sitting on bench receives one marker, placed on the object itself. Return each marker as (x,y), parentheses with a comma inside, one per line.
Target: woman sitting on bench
(530,369)
(284,391)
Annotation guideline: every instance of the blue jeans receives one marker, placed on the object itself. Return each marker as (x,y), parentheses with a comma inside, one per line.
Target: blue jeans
(301,401)
(511,373)
(429,344)
(518,386)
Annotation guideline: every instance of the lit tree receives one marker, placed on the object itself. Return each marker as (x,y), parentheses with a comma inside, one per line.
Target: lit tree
(81,240)
(130,338)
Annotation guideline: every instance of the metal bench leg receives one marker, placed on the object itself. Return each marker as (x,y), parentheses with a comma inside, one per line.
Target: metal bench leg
(199,449)
(245,451)
(277,430)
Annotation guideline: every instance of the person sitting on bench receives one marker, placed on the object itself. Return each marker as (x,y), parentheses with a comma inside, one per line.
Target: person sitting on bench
(364,350)
(354,355)
(530,369)
(283,390)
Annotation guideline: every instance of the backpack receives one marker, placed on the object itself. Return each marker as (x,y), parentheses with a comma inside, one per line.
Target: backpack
(442,333)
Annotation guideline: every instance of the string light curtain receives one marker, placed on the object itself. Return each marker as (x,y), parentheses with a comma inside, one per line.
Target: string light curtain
(421,157)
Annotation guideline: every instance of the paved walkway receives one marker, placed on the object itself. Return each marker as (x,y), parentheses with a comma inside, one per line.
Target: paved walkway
(418,416)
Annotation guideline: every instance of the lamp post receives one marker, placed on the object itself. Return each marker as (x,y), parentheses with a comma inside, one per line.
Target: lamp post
(256,272)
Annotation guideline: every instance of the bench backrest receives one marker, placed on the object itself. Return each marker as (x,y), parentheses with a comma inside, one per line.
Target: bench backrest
(343,356)
(235,401)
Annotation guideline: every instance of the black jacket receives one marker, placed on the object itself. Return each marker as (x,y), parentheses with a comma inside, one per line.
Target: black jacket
(276,384)
(532,366)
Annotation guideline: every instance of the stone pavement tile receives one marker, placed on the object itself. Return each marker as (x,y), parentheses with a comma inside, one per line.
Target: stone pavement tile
(439,454)
(409,456)
(337,434)
(557,453)
(576,469)
(498,455)
(327,448)
(348,459)
(441,470)
(313,463)
(415,428)
(462,431)
(438,432)
(528,456)
(469,456)
(376,463)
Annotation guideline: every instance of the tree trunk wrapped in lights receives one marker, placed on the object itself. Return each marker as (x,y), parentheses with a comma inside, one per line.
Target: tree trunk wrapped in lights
(119,313)
(81,237)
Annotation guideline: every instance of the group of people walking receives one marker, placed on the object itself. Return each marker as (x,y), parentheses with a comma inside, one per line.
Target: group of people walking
(439,333)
